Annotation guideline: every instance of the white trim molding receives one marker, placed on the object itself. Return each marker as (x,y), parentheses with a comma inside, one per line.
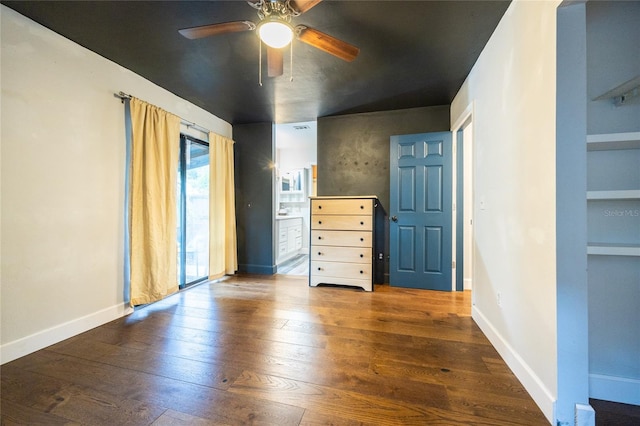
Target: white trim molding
(34,342)
(612,388)
(532,383)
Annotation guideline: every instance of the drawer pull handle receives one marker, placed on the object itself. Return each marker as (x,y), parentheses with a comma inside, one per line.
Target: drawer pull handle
(319,222)
(362,207)
(319,238)
(319,253)
(319,207)
(361,255)
(361,239)
(319,269)
(362,272)
(361,223)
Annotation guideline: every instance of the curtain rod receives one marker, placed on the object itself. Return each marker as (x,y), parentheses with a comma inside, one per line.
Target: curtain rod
(187,123)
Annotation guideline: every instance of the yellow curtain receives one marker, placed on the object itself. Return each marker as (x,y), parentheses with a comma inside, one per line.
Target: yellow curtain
(154,162)
(223,252)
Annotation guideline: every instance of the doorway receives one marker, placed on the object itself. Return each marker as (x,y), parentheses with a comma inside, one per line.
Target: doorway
(446,262)
(463,240)
(295,181)
(420,231)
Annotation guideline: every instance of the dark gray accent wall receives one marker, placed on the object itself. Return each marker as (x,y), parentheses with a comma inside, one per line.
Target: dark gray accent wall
(353,159)
(353,150)
(353,155)
(254,197)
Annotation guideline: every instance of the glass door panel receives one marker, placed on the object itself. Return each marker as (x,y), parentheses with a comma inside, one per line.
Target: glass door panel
(193,232)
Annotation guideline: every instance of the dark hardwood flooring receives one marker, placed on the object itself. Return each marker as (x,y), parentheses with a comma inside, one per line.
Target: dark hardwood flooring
(273,351)
(614,414)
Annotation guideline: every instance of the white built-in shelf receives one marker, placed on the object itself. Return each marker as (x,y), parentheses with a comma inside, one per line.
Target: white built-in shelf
(629,194)
(606,141)
(621,94)
(613,249)
(613,141)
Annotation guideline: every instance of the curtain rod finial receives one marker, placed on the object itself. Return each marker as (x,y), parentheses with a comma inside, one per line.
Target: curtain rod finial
(122,96)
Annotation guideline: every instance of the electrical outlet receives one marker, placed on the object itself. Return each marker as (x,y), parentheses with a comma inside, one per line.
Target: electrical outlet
(499,298)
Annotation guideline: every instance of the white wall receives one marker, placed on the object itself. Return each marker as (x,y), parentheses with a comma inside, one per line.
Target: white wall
(512,86)
(571,217)
(297,149)
(63,166)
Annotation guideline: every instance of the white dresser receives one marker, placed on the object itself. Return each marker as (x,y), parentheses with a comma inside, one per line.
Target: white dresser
(343,241)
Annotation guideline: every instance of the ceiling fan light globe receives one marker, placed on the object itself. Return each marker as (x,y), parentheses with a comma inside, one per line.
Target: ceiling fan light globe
(275,34)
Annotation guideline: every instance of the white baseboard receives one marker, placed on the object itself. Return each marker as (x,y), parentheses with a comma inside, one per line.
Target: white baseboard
(616,389)
(467,284)
(34,342)
(522,371)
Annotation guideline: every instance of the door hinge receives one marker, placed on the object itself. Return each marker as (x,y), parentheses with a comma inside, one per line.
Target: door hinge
(453,265)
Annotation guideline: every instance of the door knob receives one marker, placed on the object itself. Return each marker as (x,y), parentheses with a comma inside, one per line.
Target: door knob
(394,218)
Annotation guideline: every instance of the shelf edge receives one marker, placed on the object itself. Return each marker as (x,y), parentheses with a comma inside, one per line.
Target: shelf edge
(627,194)
(613,250)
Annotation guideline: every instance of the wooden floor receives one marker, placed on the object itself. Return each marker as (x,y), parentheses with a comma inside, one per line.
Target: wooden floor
(271,350)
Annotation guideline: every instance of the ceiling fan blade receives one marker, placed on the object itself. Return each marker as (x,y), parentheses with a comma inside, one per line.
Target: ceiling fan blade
(215,29)
(301,6)
(327,43)
(275,60)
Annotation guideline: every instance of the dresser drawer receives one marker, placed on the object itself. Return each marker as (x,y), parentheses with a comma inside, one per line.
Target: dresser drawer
(341,269)
(351,223)
(342,206)
(341,254)
(341,238)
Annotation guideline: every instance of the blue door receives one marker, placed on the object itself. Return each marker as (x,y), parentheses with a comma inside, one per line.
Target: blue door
(420,211)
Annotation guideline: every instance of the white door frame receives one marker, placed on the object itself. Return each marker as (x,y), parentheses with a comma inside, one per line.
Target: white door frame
(465,119)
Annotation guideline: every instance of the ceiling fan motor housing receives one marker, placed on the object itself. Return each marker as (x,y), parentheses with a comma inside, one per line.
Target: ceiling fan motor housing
(277,9)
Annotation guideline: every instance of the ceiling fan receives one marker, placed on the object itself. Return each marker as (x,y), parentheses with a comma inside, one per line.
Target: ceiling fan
(275,17)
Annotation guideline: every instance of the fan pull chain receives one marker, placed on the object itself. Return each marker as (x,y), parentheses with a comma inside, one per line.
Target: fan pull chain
(260,64)
(291,61)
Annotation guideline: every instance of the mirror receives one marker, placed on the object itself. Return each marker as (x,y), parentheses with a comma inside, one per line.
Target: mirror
(292,181)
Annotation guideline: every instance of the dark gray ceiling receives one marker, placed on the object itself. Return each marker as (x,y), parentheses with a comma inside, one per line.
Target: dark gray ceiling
(412,53)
